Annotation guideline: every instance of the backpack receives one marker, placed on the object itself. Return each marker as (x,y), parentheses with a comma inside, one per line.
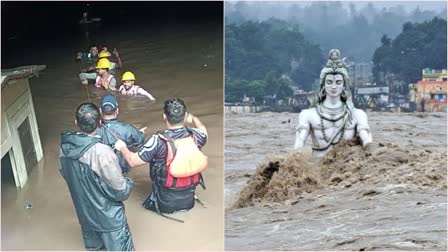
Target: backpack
(184,161)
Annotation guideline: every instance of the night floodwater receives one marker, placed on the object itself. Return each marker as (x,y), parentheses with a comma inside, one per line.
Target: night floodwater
(170,56)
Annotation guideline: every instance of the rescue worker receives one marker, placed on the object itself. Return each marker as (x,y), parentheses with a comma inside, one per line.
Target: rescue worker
(90,58)
(129,88)
(87,74)
(111,129)
(171,194)
(92,55)
(104,78)
(97,187)
(113,66)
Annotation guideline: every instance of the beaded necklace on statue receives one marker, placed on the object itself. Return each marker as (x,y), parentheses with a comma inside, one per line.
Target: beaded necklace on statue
(333,115)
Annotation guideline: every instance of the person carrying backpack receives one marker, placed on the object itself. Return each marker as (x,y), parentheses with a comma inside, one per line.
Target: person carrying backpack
(174,158)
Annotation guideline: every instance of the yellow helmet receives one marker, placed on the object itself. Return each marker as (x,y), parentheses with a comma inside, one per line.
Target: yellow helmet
(103,64)
(128,76)
(104,54)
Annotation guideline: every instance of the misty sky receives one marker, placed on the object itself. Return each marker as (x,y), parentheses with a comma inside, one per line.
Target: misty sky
(408,5)
(320,21)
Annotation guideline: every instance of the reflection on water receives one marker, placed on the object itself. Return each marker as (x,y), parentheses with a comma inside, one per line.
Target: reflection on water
(167,61)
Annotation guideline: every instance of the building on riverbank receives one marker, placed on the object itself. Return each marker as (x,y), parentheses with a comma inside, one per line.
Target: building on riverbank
(430,93)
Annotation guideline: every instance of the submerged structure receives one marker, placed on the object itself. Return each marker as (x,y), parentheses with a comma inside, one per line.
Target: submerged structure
(21,147)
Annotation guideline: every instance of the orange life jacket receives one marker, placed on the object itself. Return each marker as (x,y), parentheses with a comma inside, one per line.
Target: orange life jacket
(99,80)
(184,161)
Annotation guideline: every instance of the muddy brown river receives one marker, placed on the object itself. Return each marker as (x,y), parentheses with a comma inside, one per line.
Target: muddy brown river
(393,198)
(184,61)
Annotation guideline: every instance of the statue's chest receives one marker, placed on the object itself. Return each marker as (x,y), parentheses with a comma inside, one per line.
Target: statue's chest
(332,132)
(320,123)
(327,118)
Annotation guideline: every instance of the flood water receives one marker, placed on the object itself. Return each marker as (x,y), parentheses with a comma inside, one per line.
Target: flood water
(168,60)
(394,198)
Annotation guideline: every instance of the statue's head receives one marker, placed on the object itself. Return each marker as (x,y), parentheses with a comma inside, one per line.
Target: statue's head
(334,54)
(334,80)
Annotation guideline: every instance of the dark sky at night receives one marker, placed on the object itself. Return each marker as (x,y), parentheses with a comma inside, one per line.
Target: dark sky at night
(28,26)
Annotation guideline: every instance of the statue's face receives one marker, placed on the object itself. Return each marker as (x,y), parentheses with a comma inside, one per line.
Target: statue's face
(334,55)
(334,84)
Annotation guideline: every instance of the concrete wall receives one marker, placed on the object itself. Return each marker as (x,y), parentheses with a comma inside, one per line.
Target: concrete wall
(243,108)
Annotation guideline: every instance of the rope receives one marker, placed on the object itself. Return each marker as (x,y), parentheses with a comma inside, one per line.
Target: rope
(108,130)
(87,91)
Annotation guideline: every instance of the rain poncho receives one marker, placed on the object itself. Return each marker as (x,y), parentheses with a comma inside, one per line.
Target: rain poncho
(98,190)
(126,132)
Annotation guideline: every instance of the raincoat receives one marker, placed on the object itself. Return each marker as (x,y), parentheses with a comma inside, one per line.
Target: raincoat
(98,189)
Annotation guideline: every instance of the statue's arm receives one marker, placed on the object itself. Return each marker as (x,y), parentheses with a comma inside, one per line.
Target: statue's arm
(363,128)
(302,129)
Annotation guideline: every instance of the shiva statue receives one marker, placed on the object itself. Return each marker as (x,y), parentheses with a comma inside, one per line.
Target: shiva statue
(332,116)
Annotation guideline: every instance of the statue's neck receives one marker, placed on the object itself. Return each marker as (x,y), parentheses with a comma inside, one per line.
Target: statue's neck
(332,102)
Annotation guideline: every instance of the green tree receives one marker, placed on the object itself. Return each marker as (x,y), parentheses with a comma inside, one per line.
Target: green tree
(418,46)
(284,89)
(256,88)
(235,90)
(265,51)
(272,84)
(382,59)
